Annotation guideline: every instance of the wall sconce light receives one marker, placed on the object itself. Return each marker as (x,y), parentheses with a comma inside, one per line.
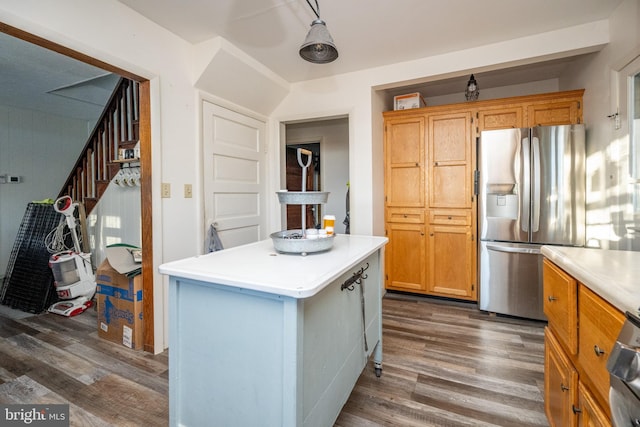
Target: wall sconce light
(318,46)
(471,92)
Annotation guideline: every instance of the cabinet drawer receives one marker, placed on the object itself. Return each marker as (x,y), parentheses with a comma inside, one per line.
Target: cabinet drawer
(561,305)
(450,217)
(410,216)
(600,324)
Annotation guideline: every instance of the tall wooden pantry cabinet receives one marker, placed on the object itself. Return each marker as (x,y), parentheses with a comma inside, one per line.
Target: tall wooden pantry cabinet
(430,198)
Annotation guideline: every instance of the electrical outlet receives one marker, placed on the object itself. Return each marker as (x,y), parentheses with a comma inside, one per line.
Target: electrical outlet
(188,191)
(166,190)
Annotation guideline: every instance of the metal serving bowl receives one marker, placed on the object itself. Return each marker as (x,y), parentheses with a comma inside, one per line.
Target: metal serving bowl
(292,242)
(302,197)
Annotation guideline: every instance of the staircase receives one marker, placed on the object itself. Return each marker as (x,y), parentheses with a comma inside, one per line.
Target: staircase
(100,160)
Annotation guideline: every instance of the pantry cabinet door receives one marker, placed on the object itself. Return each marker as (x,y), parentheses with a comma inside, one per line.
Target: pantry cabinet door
(450,160)
(404,155)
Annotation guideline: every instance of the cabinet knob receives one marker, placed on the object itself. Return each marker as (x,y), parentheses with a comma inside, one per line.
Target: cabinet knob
(599,352)
(551,298)
(449,217)
(405,215)
(417,164)
(563,387)
(575,410)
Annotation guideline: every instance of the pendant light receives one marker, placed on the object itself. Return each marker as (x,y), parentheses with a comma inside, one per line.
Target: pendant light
(471,92)
(318,46)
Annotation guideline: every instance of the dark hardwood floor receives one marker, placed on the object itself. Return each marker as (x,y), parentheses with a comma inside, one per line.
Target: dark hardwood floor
(53,359)
(448,364)
(445,364)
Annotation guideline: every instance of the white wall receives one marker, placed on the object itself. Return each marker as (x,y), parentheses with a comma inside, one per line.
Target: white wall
(609,193)
(41,149)
(334,162)
(530,88)
(115,219)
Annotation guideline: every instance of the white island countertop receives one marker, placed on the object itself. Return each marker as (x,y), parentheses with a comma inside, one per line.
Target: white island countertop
(614,275)
(257,266)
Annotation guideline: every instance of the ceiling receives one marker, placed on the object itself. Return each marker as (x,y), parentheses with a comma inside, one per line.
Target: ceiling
(39,79)
(367,33)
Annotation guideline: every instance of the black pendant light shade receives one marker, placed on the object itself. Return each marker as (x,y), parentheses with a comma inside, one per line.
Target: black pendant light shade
(318,46)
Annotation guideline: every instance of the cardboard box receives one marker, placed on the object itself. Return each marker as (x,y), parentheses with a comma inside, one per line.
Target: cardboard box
(119,305)
(408,101)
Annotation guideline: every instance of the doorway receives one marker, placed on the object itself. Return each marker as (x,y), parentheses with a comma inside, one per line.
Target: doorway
(294,183)
(329,140)
(145,163)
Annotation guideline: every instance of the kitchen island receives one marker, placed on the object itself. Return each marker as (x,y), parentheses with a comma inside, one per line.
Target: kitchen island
(260,338)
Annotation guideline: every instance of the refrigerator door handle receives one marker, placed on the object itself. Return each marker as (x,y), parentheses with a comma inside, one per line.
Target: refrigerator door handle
(526,184)
(514,250)
(535,199)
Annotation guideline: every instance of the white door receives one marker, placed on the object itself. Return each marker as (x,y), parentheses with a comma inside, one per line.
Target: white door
(234,175)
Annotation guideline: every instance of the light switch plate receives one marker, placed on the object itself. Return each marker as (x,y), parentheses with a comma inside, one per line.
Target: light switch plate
(166,190)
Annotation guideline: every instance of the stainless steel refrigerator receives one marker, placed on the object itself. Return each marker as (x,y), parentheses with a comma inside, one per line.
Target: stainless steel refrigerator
(531,192)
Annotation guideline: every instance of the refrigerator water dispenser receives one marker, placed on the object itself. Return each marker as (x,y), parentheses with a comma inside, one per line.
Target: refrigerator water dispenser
(502,206)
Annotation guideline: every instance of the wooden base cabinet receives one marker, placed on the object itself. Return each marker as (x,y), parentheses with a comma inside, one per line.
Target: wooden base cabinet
(560,384)
(404,257)
(589,413)
(451,262)
(568,402)
(581,332)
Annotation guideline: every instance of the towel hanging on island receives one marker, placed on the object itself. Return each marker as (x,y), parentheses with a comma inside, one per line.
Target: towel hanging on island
(212,242)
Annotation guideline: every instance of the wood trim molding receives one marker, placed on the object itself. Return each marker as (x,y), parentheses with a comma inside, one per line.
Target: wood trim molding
(147,215)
